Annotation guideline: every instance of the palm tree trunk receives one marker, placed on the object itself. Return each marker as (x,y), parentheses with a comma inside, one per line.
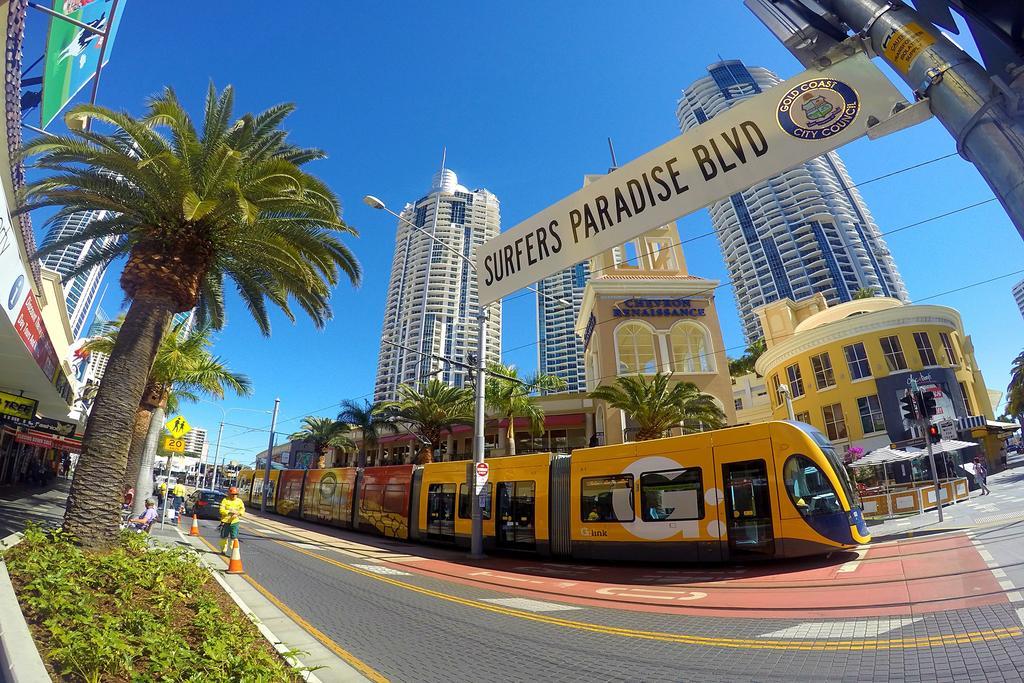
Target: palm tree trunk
(362,457)
(143,417)
(426,454)
(93,507)
(511,436)
(144,477)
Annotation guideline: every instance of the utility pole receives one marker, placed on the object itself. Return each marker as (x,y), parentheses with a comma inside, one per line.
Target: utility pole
(922,424)
(982,113)
(476,544)
(270,454)
(216,456)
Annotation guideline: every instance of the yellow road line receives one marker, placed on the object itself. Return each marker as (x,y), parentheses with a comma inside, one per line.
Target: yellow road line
(739,643)
(350,658)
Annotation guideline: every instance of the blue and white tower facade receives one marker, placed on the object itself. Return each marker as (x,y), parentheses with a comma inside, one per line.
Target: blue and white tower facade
(79,292)
(431,309)
(560,351)
(803,231)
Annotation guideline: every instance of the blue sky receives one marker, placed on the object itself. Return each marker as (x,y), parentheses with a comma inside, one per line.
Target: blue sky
(523,95)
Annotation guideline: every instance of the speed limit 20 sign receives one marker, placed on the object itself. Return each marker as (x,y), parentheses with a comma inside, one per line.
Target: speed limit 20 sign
(174,445)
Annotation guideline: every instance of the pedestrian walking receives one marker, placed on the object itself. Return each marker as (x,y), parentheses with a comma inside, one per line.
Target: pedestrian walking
(65,465)
(231,510)
(179,496)
(981,475)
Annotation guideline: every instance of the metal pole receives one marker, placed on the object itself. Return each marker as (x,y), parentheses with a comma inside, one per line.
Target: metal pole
(476,547)
(270,454)
(216,455)
(972,106)
(922,424)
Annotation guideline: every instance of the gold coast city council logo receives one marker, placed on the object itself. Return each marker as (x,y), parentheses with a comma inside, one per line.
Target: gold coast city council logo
(818,109)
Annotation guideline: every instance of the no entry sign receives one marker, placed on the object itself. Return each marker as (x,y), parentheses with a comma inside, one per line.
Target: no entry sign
(482,469)
(801,118)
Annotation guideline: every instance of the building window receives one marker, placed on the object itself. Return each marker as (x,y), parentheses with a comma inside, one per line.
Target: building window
(796,380)
(893,353)
(738,402)
(634,347)
(947,344)
(857,360)
(671,495)
(690,348)
(835,423)
(870,414)
(823,375)
(607,499)
(924,349)
(967,399)
(777,390)
(804,417)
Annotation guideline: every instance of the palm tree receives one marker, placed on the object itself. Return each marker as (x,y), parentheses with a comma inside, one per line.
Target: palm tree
(370,419)
(745,363)
(865,293)
(1015,389)
(656,406)
(324,433)
(189,209)
(431,410)
(510,396)
(183,370)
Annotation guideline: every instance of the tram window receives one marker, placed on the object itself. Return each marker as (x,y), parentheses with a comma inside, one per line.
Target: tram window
(671,495)
(464,499)
(607,499)
(809,487)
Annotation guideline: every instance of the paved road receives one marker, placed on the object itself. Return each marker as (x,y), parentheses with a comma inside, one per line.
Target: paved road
(415,626)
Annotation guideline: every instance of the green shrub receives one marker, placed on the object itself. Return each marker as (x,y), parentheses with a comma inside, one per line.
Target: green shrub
(134,614)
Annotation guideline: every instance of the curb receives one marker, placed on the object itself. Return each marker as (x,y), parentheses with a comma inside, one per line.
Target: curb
(274,641)
(20,661)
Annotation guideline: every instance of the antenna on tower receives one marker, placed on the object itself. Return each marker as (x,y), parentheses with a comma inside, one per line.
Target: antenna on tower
(611,149)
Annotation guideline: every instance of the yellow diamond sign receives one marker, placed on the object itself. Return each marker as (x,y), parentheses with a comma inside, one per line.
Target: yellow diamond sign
(178,427)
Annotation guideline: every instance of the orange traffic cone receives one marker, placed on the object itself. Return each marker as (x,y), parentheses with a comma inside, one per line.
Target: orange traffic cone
(235,565)
(194,531)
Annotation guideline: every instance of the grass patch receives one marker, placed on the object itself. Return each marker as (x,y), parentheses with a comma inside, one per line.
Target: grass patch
(134,614)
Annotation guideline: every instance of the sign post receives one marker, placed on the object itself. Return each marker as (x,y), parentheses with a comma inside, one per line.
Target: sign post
(802,118)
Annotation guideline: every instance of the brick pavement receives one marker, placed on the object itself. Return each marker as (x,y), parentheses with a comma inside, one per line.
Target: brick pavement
(425,628)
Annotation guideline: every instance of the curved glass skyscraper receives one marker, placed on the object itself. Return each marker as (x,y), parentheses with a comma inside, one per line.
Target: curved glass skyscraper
(432,303)
(804,231)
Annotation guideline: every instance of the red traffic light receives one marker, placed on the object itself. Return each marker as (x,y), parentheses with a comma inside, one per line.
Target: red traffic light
(934,435)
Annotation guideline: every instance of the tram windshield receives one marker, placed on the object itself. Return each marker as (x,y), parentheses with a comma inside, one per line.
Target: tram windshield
(833,458)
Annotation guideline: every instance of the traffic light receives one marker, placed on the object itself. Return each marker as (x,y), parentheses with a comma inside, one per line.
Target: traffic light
(928,404)
(909,406)
(934,435)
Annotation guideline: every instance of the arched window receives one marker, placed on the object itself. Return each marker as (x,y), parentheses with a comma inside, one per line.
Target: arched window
(691,348)
(634,349)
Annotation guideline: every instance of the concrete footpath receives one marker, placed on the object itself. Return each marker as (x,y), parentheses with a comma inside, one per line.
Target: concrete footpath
(312,649)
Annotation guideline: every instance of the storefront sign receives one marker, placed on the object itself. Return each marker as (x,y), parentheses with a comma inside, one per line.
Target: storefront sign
(32,331)
(17,406)
(648,308)
(802,118)
(47,441)
(40,424)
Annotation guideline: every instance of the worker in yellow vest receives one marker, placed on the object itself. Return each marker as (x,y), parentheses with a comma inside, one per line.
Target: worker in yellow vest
(231,510)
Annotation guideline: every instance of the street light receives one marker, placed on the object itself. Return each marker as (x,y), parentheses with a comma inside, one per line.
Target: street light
(220,432)
(476,547)
(784,390)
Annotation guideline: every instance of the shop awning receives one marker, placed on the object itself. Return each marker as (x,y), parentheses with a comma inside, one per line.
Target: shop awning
(944,446)
(883,456)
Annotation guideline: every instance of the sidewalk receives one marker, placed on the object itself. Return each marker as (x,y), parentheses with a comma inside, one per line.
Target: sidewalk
(979,511)
(19,505)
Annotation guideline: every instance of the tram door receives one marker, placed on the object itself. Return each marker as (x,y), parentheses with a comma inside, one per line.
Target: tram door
(441,512)
(515,526)
(748,508)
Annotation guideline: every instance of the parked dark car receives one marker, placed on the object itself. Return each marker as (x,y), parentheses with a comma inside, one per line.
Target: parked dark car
(205,503)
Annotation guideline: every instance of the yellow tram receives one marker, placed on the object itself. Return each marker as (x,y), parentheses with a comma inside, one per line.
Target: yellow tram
(768,490)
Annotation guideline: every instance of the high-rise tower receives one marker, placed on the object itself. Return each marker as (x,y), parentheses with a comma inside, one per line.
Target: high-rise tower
(560,351)
(803,231)
(1018,296)
(432,302)
(80,291)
